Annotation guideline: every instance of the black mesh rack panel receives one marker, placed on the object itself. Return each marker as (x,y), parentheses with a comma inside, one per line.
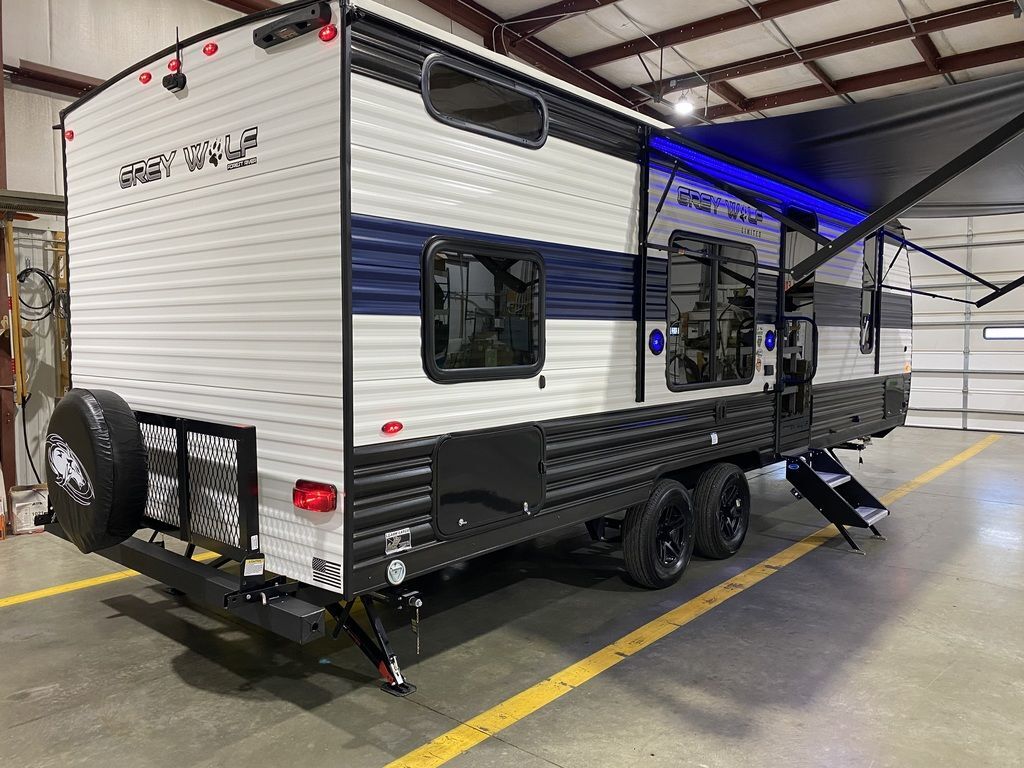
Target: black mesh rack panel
(203,483)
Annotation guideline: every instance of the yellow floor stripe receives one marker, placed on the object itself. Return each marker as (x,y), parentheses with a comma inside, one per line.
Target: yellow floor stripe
(74,586)
(467,735)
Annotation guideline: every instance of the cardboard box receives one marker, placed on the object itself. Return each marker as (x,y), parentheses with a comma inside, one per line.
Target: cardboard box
(28,501)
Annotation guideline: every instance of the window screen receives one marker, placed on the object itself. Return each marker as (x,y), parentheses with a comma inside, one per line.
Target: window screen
(711,325)
(455,94)
(484,312)
(867,299)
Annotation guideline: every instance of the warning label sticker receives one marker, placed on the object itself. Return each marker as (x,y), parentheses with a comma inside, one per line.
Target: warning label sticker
(397,541)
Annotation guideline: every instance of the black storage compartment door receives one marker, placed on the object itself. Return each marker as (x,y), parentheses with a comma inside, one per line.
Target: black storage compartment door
(486,478)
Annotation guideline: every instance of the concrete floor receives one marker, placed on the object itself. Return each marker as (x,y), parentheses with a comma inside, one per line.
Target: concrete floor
(911,656)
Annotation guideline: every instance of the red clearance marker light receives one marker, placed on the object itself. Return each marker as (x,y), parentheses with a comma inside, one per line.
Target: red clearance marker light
(315,497)
(145,77)
(69,134)
(392,428)
(210,48)
(328,33)
(174,65)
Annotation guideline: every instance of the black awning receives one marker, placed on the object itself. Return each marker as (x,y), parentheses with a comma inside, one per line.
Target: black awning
(868,154)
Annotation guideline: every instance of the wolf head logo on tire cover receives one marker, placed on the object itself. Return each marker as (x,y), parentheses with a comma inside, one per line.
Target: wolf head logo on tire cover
(68,470)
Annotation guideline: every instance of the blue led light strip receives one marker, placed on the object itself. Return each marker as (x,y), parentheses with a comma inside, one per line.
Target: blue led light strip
(783,193)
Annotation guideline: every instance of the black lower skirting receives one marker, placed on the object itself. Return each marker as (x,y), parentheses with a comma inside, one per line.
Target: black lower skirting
(594,465)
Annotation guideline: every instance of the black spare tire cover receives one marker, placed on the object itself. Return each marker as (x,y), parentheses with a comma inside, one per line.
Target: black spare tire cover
(96,468)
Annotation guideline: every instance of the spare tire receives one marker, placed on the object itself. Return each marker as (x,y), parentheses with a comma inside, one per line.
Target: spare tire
(96,468)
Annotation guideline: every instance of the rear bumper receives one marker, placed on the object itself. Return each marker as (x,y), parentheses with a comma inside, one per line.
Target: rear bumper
(285,615)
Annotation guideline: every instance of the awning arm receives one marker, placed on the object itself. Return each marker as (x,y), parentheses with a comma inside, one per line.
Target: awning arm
(950,264)
(919,292)
(997,292)
(1000,292)
(904,202)
(754,202)
(664,195)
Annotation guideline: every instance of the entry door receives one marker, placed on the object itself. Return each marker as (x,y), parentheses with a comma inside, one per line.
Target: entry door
(798,351)
(797,339)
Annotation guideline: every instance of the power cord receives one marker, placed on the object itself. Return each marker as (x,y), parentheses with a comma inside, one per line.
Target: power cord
(47,308)
(24,434)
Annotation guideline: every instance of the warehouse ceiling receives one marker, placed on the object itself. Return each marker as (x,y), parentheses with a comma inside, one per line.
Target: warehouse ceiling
(739,59)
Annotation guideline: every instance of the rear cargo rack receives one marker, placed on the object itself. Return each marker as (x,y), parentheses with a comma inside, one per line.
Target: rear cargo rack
(203,485)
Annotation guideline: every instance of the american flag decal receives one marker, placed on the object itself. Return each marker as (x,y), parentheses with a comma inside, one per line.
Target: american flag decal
(327,573)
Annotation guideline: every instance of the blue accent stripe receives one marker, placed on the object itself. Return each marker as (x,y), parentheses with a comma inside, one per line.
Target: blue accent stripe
(582,283)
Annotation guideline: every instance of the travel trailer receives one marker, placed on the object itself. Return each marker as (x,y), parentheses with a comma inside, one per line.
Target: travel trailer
(353,300)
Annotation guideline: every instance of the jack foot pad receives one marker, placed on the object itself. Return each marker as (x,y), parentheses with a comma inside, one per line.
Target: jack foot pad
(398,689)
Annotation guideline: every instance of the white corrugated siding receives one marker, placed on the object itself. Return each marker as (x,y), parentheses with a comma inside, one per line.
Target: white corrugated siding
(410,167)
(217,294)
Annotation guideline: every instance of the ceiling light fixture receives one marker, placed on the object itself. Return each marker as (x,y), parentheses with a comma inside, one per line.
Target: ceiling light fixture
(684,106)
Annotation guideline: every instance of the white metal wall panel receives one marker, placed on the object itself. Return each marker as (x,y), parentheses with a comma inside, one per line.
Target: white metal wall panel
(589,368)
(845,268)
(96,37)
(101,37)
(216,294)
(33,147)
(408,166)
(961,379)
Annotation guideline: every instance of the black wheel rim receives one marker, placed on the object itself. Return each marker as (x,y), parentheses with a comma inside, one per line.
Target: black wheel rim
(671,540)
(732,506)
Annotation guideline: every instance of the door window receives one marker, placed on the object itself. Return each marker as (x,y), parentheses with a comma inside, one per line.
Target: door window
(711,302)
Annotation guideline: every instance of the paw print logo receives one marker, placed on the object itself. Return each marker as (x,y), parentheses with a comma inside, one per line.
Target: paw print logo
(216,154)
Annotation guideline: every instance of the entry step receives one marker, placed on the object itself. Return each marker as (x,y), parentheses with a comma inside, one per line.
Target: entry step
(818,476)
(871,515)
(833,478)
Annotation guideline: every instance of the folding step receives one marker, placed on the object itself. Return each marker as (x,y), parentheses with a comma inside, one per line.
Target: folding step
(833,478)
(818,476)
(872,515)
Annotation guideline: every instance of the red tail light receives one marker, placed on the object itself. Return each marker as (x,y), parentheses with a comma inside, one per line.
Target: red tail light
(210,48)
(145,77)
(392,428)
(315,497)
(69,134)
(174,65)
(328,32)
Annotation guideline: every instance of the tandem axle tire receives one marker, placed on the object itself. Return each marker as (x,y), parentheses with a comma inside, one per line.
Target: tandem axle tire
(658,536)
(722,505)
